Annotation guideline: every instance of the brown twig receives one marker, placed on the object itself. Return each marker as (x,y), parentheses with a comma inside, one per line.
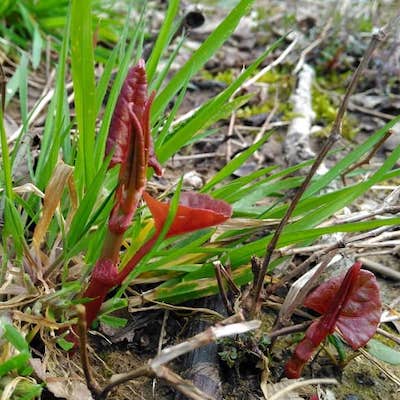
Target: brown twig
(91,382)
(379,268)
(368,158)
(155,367)
(301,268)
(377,37)
(221,287)
(287,330)
(227,273)
(389,335)
(321,37)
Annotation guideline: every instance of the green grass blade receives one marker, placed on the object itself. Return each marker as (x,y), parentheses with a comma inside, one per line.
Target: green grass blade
(201,56)
(37,46)
(350,159)
(184,134)
(158,80)
(23,88)
(240,183)
(55,121)
(234,164)
(163,38)
(210,111)
(82,63)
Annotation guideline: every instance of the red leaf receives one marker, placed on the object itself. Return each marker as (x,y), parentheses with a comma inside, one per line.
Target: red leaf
(132,99)
(195,211)
(130,142)
(360,315)
(351,303)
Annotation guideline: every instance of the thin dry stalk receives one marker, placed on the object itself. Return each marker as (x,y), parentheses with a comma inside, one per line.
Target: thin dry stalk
(287,330)
(91,382)
(379,268)
(298,384)
(368,158)
(394,378)
(335,134)
(221,287)
(300,289)
(155,367)
(394,338)
(321,37)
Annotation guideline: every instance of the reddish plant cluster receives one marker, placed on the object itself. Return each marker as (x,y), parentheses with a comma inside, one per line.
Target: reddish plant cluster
(349,303)
(130,143)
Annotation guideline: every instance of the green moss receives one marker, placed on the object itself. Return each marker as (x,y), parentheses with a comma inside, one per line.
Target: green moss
(280,86)
(326,110)
(227,76)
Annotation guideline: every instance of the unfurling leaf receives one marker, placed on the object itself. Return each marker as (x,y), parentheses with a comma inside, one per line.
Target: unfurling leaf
(360,315)
(195,211)
(350,303)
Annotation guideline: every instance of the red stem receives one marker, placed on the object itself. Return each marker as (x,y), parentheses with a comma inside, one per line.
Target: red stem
(98,289)
(321,328)
(144,249)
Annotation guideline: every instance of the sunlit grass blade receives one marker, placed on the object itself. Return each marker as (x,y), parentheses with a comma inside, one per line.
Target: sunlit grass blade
(239,183)
(165,131)
(163,38)
(201,56)
(209,110)
(37,45)
(82,63)
(185,133)
(351,158)
(13,85)
(234,164)
(161,75)
(55,121)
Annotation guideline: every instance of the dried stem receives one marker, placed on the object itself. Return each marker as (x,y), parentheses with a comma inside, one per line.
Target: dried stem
(368,158)
(293,386)
(155,367)
(221,287)
(377,37)
(301,268)
(287,330)
(91,382)
(388,335)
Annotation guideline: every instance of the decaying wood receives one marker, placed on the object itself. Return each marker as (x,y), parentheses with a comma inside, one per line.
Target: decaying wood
(297,143)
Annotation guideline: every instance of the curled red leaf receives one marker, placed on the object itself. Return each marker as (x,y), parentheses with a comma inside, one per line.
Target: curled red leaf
(351,303)
(130,142)
(130,117)
(195,211)
(360,316)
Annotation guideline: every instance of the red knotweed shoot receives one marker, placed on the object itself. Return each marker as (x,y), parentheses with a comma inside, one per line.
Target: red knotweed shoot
(350,303)
(131,145)
(129,141)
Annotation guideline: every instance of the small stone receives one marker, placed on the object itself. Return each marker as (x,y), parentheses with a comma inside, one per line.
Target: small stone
(351,397)
(193,180)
